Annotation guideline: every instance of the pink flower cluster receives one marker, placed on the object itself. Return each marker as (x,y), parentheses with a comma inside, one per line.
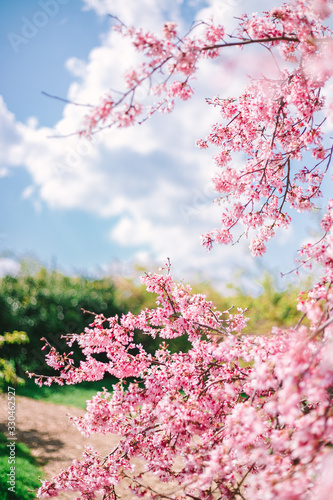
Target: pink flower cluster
(248,417)
(275,123)
(235,417)
(166,55)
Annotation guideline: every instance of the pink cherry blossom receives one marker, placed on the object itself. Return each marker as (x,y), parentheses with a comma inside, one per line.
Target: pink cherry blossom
(236,416)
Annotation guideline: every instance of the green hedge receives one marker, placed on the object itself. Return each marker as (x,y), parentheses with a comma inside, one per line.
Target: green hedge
(48,304)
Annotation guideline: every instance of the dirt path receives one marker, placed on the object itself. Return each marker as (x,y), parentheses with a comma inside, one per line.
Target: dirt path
(55,442)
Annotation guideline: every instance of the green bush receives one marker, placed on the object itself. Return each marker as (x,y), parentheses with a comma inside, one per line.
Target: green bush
(48,304)
(8,373)
(26,472)
(270,308)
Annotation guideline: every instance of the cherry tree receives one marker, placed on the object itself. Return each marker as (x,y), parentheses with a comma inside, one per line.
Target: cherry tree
(235,417)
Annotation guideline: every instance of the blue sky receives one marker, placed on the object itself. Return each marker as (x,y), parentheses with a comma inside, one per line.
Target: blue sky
(132,196)
(27,70)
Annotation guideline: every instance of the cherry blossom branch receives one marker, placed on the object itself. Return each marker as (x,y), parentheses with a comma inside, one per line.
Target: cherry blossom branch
(249,416)
(257,41)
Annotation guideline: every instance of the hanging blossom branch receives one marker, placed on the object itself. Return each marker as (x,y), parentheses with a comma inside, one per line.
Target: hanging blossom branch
(273,122)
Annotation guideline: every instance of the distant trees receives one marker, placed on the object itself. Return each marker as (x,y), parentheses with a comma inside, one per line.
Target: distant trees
(49,304)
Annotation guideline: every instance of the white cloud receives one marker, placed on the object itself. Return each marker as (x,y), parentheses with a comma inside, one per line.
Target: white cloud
(4,172)
(145,13)
(8,267)
(10,137)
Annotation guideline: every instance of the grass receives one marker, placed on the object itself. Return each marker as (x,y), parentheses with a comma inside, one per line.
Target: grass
(26,472)
(67,395)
